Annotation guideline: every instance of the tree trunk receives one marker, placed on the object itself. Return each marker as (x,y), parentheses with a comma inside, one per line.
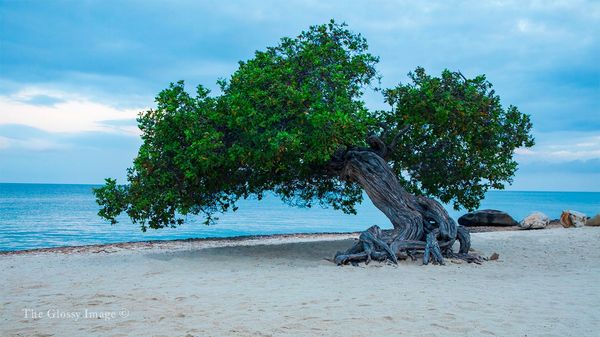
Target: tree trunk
(421,225)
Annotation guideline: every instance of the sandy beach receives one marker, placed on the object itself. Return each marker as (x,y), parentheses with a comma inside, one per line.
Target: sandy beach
(545,283)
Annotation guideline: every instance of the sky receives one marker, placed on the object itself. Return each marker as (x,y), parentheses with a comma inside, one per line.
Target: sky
(74,74)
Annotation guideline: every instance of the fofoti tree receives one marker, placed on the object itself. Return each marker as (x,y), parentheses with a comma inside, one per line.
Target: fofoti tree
(291,121)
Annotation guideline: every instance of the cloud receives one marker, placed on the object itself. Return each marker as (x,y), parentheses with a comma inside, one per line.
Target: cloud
(32,155)
(88,72)
(63,112)
(559,147)
(32,144)
(70,165)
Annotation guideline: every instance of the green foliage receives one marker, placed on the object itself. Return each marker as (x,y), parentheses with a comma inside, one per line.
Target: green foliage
(458,141)
(281,117)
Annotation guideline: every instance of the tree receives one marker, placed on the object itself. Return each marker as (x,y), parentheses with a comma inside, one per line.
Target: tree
(291,121)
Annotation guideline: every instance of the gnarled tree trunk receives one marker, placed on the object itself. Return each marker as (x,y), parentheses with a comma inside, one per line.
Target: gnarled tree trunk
(421,225)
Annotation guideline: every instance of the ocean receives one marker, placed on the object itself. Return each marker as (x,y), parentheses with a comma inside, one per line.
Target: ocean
(53,215)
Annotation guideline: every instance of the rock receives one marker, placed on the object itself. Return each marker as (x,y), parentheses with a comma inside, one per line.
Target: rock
(487,217)
(595,221)
(494,256)
(570,218)
(535,220)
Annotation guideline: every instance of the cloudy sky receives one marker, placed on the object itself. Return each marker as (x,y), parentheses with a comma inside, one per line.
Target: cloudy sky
(74,74)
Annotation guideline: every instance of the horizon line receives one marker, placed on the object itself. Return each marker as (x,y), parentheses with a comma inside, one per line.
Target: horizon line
(100,184)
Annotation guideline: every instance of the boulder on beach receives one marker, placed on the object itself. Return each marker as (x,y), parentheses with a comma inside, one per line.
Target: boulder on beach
(595,221)
(487,217)
(535,220)
(570,218)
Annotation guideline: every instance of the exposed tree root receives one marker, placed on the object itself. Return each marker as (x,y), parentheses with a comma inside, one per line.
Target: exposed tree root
(375,244)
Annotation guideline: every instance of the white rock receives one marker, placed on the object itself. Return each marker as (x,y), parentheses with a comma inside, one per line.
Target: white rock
(570,218)
(535,220)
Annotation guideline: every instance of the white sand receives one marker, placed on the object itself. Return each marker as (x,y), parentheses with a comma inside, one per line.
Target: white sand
(546,283)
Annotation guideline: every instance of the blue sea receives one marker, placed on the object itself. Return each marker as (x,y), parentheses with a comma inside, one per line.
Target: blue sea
(47,215)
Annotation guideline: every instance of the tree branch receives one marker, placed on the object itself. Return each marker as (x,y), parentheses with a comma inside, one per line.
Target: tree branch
(377,145)
(392,145)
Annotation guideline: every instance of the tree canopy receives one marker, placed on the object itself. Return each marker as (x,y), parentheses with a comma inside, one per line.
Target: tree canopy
(284,116)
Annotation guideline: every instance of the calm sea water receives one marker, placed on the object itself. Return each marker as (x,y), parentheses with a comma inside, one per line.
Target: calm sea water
(45,215)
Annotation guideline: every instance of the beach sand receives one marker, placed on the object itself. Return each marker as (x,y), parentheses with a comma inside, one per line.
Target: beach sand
(545,283)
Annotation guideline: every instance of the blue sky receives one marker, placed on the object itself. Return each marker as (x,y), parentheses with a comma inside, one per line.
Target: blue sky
(73,74)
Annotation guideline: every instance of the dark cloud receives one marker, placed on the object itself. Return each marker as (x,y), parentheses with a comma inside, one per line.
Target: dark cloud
(135,48)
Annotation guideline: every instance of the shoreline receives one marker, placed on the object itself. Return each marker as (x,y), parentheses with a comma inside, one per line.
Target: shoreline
(184,244)
(243,240)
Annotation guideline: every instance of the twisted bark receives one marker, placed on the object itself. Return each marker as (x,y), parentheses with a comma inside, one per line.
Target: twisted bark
(421,224)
